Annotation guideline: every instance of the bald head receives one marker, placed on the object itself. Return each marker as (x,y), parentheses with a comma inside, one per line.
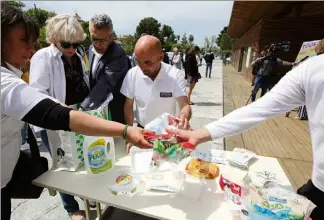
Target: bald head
(148,44)
(148,52)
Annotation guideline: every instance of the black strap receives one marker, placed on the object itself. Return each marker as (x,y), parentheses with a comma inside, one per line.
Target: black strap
(34,148)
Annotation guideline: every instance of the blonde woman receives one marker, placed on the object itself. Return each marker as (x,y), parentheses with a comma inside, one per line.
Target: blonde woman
(59,71)
(22,103)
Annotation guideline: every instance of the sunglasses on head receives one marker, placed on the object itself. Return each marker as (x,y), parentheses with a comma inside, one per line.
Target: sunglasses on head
(67,45)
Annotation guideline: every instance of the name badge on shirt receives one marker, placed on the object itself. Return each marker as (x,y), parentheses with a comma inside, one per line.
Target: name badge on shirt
(165,94)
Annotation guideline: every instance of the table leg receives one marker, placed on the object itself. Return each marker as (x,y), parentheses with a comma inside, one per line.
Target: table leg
(86,208)
(98,207)
(52,192)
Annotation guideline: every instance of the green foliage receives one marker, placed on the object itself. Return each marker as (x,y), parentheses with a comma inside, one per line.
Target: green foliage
(180,46)
(41,15)
(42,37)
(207,43)
(184,39)
(191,38)
(218,40)
(85,26)
(128,44)
(149,26)
(226,42)
(167,33)
(16,4)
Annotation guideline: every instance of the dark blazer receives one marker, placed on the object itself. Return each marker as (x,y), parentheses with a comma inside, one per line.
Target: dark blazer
(108,78)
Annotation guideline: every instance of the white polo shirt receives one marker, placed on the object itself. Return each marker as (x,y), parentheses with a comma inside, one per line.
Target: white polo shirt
(17,99)
(153,98)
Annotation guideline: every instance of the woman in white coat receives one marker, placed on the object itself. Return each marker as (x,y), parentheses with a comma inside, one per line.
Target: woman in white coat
(22,103)
(59,71)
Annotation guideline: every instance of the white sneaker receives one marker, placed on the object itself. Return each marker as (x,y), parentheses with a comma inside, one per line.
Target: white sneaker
(25,146)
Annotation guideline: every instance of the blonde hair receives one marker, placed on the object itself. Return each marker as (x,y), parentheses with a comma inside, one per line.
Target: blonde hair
(319,49)
(64,28)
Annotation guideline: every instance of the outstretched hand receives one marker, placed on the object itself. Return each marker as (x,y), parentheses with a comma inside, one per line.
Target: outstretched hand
(135,137)
(195,137)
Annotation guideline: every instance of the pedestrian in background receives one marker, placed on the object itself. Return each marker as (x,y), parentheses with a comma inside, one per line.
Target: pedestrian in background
(176,59)
(191,70)
(209,58)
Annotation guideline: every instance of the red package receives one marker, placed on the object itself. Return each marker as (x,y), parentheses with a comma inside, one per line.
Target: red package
(169,137)
(232,190)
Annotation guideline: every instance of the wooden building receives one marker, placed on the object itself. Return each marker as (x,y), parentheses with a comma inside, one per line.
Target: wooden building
(256,25)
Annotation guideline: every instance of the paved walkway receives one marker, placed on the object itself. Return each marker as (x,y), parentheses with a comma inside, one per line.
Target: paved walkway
(287,139)
(208,97)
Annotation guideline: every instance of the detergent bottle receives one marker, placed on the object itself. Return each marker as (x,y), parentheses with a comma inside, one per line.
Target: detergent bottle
(99,154)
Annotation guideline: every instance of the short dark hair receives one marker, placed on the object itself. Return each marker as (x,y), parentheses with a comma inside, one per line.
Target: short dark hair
(11,16)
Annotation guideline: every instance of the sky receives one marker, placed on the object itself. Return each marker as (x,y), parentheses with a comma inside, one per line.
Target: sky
(199,18)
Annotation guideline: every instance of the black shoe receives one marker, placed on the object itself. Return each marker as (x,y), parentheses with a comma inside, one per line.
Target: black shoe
(191,103)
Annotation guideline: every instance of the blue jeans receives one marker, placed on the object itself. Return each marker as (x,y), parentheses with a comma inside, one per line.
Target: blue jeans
(261,82)
(208,69)
(69,203)
(24,133)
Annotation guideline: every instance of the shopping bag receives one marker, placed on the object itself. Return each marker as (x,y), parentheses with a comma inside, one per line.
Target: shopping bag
(67,147)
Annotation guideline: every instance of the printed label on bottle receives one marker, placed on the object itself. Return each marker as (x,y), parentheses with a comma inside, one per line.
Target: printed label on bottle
(97,156)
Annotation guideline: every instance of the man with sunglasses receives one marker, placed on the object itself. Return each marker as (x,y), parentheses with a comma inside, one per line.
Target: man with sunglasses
(108,67)
(155,86)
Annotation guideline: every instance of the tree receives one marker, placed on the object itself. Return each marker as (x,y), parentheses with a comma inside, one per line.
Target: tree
(178,37)
(41,15)
(85,26)
(16,4)
(184,39)
(191,38)
(42,37)
(179,46)
(168,33)
(226,43)
(224,31)
(128,44)
(207,43)
(149,26)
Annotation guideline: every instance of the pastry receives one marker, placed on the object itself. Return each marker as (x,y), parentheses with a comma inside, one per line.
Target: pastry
(199,168)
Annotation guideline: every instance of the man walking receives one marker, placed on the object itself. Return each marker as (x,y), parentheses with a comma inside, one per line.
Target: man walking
(108,67)
(209,58)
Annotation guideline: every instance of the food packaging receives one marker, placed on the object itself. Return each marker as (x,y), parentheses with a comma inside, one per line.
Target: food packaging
(162,122)
(141,159)
(240,158)
(200,168)
(168,148)
(212,155)
(169,181)
(166,152)
(231,182)
(273,202)
(124,182)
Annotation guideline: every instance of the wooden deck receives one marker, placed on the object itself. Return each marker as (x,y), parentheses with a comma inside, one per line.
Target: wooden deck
(287,139)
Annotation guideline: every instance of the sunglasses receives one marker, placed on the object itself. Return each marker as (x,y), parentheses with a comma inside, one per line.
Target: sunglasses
(67,45)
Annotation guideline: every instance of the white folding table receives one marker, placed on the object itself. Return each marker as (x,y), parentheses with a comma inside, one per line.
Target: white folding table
(209,205)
